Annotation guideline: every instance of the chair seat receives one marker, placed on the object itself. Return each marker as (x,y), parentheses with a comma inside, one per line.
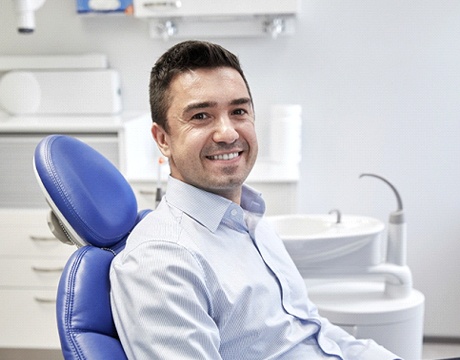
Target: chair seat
(83,304)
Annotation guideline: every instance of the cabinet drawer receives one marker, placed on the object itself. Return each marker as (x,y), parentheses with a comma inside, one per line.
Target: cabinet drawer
(30,272)
(28,319)
(26,233)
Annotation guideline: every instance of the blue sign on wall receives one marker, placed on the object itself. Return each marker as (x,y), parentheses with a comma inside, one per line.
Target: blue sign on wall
(104,6)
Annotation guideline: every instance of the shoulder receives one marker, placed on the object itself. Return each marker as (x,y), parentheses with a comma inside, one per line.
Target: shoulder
(162,231)
(156,227)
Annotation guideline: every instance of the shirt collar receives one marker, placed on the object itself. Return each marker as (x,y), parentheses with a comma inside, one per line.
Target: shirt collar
(207,208)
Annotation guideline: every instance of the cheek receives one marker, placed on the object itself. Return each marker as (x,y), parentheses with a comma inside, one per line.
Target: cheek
(188,146)
(196,139)
(249,132)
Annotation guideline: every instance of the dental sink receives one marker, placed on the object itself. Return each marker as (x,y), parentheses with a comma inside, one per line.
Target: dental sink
(327,240)
(357,277)
(332,246)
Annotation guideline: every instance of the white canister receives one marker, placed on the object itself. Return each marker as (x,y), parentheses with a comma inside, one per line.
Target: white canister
(286,133)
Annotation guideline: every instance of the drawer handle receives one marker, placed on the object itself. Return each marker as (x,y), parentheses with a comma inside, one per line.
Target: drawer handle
(163,4)
(57,269)
(147,192)
(42,238)
(43,300)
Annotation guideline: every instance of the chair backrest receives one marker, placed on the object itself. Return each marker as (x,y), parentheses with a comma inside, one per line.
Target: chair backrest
(94,207)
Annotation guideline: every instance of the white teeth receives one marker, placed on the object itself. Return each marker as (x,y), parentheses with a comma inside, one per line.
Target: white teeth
(224,156)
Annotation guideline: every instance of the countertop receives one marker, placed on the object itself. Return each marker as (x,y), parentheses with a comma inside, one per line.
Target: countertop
(64,123)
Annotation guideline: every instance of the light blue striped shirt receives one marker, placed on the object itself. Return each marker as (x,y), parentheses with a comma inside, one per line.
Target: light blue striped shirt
(204,278)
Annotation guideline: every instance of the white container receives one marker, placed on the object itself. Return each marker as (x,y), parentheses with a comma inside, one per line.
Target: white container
(286,133)
(363,310)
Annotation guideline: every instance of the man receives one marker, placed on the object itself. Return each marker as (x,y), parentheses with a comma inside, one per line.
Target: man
(204,276)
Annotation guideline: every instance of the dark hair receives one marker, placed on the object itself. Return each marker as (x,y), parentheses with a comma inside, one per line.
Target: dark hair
(183,57)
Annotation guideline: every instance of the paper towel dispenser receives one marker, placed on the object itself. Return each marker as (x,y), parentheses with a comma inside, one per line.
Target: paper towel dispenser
(59,84)
(61,92)
(190,18)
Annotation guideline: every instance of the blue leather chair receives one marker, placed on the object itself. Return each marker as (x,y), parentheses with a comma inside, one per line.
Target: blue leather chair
(93,207)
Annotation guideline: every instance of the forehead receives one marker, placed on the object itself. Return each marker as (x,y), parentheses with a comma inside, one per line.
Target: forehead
(221,82)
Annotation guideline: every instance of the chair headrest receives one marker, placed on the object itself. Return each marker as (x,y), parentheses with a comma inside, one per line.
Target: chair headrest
(86,192)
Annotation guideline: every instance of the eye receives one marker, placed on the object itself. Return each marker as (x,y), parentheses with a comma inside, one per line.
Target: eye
(240,112)
(200,116)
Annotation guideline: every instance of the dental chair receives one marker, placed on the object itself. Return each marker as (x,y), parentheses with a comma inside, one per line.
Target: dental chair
(93,207)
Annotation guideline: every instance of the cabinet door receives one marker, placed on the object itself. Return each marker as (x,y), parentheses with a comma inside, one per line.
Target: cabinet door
(171,8)
(28,319)
(25,233)
(19,188)
(31,272)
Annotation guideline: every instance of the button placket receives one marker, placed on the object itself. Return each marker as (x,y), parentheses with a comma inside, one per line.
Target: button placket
(234,219)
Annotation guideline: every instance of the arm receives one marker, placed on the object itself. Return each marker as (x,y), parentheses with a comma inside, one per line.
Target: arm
(351,347)
(161,306)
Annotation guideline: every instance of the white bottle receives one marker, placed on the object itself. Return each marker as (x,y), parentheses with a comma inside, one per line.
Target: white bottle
(286,133)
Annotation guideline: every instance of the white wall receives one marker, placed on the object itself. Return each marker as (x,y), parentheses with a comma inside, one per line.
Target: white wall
(379,82)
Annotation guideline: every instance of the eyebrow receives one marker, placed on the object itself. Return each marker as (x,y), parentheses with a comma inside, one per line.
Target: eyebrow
(210,104)
(241,101)
(200,105)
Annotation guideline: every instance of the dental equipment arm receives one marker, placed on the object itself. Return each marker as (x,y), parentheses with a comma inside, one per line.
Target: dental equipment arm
(396,247)
(397,229)
(25,10)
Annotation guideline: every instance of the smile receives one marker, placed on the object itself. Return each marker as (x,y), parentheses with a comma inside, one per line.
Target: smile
(224,156)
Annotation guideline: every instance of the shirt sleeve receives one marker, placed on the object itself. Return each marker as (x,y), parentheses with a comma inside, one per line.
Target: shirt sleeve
(161,304)
(350,347)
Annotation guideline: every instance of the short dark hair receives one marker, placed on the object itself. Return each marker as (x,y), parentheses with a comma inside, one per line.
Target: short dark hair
(185,56)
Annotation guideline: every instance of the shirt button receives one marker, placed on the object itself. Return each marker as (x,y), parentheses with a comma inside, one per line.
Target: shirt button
(234,212)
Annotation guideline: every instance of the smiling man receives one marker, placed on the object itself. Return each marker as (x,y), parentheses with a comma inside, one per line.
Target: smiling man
(210,137)
(204,276)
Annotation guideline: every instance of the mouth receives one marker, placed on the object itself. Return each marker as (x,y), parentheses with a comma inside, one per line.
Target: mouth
(225,157)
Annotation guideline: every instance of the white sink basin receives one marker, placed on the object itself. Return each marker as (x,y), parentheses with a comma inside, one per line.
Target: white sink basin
(319,241)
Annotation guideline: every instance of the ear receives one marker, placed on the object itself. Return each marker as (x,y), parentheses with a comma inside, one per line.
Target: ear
(162,139)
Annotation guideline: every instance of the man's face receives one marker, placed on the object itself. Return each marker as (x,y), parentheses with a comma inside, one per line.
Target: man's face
(211,142)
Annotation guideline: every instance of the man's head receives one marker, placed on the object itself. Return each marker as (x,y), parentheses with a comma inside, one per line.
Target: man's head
(183,57)
(204,118)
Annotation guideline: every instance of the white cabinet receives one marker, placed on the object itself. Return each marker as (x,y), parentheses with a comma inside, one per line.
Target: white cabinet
(202,8)
(31,262)
(218,18)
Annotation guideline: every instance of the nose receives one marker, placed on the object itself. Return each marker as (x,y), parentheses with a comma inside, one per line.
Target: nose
(225,131)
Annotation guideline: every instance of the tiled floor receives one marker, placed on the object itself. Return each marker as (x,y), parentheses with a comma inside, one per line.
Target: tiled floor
(432,350)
